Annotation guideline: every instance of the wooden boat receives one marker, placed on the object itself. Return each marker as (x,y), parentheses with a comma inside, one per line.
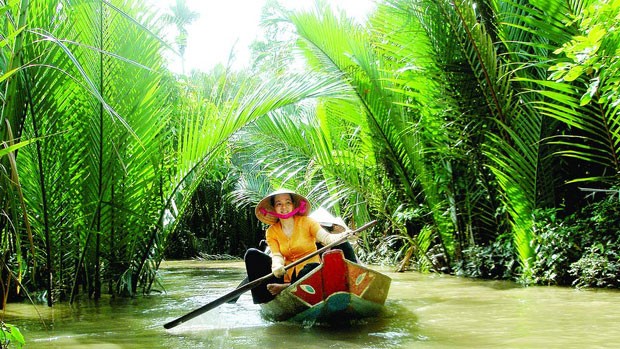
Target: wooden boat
(337,290)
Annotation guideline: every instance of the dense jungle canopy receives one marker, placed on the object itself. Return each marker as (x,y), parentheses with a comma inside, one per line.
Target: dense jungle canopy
(482,135)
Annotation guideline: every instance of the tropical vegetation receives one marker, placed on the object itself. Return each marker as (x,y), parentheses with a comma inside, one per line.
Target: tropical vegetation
(10,335)
(482,135)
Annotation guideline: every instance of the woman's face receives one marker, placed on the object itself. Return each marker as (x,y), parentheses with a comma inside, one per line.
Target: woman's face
(283,203)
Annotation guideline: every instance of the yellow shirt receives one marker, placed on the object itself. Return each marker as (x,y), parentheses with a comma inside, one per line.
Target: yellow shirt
(301,243)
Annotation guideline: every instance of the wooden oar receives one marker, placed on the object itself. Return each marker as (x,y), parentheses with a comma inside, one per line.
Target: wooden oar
(250,285)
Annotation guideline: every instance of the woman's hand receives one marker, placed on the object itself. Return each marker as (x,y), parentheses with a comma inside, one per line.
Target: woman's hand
(277,265)
(279,271)
(352,237)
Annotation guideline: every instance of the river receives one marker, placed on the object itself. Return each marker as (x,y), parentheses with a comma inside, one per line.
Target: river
(422,311)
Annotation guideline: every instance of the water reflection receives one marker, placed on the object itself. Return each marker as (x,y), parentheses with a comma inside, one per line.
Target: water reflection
(422,311)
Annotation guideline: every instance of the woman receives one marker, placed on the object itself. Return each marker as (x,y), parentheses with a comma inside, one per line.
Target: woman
(291,236)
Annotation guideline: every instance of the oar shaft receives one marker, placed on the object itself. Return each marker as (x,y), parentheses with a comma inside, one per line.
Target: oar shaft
(219,301)
(327,247)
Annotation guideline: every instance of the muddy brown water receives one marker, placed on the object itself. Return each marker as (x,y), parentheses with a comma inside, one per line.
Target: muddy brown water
(422,311)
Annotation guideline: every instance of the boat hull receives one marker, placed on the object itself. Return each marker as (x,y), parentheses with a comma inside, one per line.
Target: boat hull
(337,290)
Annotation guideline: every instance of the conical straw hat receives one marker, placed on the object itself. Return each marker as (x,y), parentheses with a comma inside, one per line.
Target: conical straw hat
(266,205)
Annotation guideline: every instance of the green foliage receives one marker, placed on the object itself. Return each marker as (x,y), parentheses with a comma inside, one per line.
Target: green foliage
(558,245)
(214,224)
(450,133)
(591,55)
(599,264)
(582,249)
(121,148)
(497,260)
(375,247)
(598,267)
(460,125)
(585,90)
(10,335)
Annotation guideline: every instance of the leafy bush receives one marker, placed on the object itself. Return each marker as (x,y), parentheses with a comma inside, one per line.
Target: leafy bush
(598,267)
(495,261)
(583,249)
(376,249)
(186,244)
(557,245)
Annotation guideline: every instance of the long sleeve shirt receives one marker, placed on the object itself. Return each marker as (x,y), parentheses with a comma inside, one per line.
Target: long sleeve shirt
(285,250)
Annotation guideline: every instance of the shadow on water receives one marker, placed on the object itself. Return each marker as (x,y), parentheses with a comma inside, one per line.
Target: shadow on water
(384,331)
(380,332)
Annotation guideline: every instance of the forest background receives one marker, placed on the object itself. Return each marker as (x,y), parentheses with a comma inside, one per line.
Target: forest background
(482,135)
